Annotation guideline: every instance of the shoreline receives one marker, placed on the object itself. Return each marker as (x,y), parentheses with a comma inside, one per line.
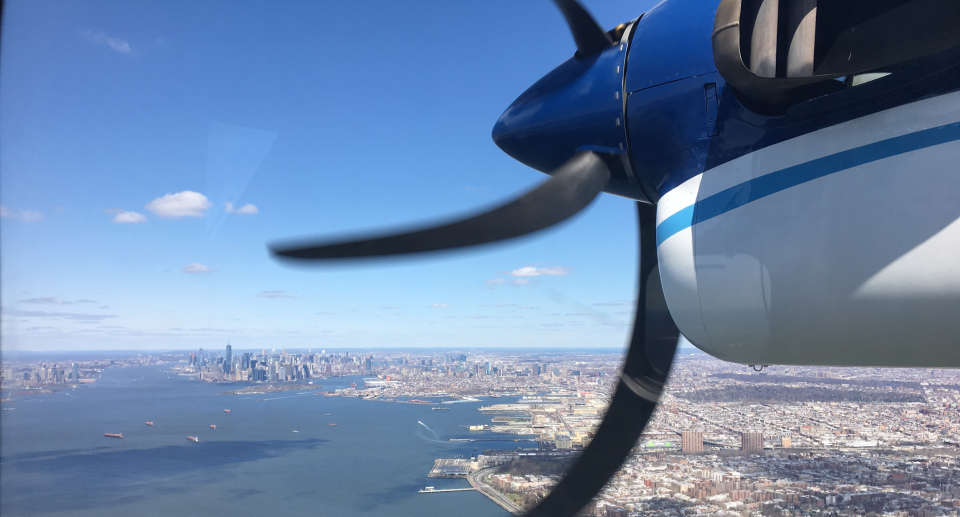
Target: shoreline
(493,495)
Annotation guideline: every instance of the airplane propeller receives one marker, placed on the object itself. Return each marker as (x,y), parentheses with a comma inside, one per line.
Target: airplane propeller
(587,33)
(572,187)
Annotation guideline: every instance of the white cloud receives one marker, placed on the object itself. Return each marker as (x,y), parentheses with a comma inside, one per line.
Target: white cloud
(101,38)
(124,216)
(541,271)
(197,267)
(249,208)
(27,216)
(440,306)
(182,204)
(494,282)
(522,281)
(274,294)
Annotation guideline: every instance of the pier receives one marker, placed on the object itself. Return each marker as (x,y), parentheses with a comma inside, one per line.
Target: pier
(431,490)
(493,439)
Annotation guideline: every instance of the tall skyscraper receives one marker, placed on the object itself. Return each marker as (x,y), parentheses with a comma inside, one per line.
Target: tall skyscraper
(751,441)
(246,360)
(368,364)
(74,372)
(691,441)
(227,360)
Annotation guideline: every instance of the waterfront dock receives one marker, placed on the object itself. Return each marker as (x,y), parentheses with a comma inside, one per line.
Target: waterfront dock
(450,468)
(493,439)
(431,490)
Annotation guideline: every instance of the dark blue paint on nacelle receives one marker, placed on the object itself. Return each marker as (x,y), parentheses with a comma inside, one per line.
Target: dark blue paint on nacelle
(671,130)
(576,107)
(672,42)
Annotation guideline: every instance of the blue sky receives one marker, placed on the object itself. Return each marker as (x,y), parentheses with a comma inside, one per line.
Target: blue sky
(126,127)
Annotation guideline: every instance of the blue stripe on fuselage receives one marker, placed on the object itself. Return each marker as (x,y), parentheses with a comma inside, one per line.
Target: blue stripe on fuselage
(763,186)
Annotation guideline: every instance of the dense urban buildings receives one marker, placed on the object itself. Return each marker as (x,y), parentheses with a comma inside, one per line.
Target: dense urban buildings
(726,440)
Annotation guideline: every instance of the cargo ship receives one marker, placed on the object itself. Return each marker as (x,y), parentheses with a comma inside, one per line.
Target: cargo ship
(193,439)
(440,408)
(334,424)
(114,435)
(148,423)
(226,410)
(212,426)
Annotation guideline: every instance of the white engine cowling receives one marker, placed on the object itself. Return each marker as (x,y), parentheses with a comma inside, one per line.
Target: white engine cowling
(858,266)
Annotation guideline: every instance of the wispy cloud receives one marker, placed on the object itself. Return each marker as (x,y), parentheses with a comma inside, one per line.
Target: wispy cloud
(325,313)
(249,208)
(493,283)
(101,38)
(275,294)
(126,217)
(527,307)
(78,316)
(439,306)
(197,268)
(389,307)
(541,271)
(26,216)
(506,305)
(56,300)
(48,300)
(182,204)
(519,282)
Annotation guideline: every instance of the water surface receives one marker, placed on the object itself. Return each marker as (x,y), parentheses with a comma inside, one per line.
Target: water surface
(54,459)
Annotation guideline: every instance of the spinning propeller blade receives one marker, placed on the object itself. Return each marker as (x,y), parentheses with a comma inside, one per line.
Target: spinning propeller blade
(644,372)
(573,186)
(587,33)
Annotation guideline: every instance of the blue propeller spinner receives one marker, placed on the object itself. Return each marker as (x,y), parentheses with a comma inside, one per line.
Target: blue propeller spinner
(794,164)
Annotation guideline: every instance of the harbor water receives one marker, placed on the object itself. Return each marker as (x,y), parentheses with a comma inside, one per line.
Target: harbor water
(55,460)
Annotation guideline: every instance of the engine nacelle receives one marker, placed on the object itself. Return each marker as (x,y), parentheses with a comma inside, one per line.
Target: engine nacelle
(837,247)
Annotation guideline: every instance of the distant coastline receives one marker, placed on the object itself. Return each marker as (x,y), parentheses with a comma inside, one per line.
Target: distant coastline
(263,389)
